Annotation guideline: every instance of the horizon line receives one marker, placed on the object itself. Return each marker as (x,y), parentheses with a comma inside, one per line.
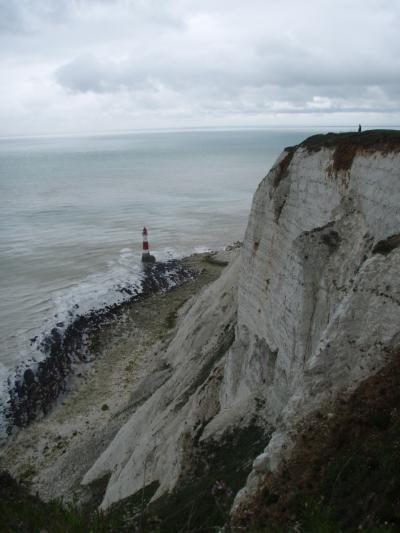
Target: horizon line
(194,129)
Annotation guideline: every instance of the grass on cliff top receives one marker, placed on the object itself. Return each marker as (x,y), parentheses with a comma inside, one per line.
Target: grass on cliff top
(379,139)
(345,146)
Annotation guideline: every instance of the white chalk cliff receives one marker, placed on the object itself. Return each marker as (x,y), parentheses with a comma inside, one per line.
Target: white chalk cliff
(306,311)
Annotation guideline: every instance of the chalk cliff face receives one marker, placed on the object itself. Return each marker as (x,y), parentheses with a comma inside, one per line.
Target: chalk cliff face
(319,291)
(308,310)
(157,444)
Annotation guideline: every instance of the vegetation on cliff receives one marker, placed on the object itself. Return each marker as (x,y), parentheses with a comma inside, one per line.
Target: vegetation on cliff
(344,473)
(377,140)
(346,145)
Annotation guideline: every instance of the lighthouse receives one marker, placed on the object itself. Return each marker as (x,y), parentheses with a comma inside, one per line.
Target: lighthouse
(146,256)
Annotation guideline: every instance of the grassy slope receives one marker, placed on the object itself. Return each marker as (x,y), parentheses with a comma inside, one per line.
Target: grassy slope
(344,474)
(21,512)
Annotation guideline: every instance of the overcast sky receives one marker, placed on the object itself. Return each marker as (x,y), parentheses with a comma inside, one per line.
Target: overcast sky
(104,65)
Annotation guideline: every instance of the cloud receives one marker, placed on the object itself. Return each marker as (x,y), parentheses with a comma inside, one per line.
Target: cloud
(186,61)
(10,17)
(27,16)
(88,73)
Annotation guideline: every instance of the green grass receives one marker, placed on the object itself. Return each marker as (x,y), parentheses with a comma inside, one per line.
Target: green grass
(21,512)
(366,139)
(344,472)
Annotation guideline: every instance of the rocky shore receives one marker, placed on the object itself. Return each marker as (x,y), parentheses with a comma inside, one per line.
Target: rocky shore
(36,386)
(76,399)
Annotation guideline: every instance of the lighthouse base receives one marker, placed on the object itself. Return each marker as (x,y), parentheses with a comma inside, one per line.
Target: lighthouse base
(148,258)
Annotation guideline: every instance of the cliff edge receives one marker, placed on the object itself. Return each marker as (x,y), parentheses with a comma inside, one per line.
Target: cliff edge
(309,310)
(306,312)
(318,303)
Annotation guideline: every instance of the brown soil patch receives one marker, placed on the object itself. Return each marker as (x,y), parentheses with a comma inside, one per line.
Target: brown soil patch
(283,166)
(343,157)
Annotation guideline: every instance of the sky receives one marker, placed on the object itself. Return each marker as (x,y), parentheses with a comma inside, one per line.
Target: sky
(86,66)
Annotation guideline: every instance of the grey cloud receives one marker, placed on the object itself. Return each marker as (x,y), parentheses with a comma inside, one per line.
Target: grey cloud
(25,16)
(11,19)
(203,58)
(91,74)
(296,79)
(86,73)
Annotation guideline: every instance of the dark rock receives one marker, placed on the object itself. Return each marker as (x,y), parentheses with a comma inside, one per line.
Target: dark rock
(34,390)
(148,258)
(29,376)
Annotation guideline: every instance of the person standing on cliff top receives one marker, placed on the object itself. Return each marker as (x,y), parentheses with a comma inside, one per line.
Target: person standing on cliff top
(359,128)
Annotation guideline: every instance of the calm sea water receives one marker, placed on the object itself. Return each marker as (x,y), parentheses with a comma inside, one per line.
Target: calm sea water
(72,211)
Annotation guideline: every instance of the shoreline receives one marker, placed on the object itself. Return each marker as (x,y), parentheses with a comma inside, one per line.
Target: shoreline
(53,452)
(36,385)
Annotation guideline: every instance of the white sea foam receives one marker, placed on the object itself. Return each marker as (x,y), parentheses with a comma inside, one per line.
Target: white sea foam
(201,249)
(95,292)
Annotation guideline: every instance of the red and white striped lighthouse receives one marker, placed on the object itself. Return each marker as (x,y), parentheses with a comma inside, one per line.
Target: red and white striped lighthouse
(146,256)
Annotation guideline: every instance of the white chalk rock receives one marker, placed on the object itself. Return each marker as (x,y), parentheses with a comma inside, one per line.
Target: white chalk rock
(156,443)
(317,307)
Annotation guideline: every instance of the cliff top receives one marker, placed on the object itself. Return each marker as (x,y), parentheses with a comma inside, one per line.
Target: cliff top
(346,146)
(382,140)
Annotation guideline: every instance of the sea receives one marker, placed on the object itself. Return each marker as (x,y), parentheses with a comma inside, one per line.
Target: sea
(72,210)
